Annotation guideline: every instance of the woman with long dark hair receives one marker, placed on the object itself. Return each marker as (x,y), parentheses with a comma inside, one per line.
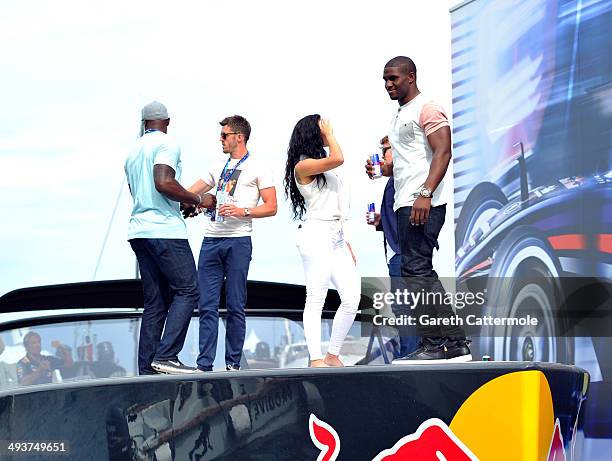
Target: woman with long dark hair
(315,189)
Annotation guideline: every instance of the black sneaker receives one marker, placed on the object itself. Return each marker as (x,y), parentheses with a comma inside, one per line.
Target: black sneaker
(458,350)
(427,352)
(171,367)
(232,367)
(449,351)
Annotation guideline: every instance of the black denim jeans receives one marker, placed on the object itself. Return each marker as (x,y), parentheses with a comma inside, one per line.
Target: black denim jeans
(409,342)
(170,286)
(417,244)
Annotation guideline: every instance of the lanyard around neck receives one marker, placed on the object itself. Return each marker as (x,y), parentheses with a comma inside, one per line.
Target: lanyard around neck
(225,173)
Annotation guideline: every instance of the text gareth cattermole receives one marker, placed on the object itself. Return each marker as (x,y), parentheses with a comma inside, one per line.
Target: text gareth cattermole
(412,299)
(470,320)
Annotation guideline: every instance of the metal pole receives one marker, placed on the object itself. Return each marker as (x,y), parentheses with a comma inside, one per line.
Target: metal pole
(110,223)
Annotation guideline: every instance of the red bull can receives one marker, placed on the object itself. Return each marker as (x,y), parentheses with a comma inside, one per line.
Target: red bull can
(371,213)
(376,165)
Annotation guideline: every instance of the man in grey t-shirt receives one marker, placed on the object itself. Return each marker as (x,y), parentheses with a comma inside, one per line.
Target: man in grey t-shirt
(158,236)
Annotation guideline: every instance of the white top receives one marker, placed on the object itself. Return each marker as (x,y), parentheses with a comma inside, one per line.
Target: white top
(243,186)
(412,153)
(328,202)
(153,215)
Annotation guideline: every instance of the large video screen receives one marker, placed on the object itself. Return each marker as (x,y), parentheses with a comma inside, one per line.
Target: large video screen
(532,147)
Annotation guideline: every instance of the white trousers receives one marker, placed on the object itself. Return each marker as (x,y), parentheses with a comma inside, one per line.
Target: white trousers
(326,259)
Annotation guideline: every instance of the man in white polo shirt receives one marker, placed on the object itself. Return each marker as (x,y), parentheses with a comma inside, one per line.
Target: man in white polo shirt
(240,180)
(158,236)
(421,145)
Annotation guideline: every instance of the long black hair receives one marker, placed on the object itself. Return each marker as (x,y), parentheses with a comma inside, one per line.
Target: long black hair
(306,141)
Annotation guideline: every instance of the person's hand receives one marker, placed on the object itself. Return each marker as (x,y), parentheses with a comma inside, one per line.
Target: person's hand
(208,201)
(369,168)
(188,210)
(376,221)
(44,365)
(420,211)
(326,128)
(386,166)
(231,210)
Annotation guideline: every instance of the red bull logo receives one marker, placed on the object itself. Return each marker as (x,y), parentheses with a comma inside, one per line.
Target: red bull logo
(493,424)
(432,441)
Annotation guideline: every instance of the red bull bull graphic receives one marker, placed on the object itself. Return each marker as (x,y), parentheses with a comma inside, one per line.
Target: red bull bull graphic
(325,439)
(510,418)
(432,441)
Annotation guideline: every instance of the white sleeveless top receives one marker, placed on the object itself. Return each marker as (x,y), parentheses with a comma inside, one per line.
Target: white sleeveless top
(327,203)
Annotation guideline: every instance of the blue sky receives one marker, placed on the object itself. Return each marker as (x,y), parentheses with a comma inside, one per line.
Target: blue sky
(75,77)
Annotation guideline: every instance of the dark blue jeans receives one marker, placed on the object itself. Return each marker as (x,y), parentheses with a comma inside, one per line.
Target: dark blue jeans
(223,258)
(169,283)
(407,333)
(417,244)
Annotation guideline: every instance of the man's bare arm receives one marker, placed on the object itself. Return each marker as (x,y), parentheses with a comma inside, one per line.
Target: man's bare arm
(170,187)
(268,207)
(440,142)
(66,355)
(199,187)
(34,376)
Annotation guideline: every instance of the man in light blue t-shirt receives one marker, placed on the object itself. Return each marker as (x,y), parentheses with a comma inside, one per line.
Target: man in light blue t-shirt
(158,236)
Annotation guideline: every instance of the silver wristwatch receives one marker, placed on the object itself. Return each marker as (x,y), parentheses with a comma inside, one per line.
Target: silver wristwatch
(247,212)
(425,192)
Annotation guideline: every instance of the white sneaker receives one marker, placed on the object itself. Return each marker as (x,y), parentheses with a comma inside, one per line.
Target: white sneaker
(171,367)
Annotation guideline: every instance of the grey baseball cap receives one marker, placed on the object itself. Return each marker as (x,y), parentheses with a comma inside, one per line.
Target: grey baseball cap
(154,111)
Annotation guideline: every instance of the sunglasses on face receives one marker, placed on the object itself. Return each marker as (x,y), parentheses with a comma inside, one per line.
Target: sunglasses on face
(225,135)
